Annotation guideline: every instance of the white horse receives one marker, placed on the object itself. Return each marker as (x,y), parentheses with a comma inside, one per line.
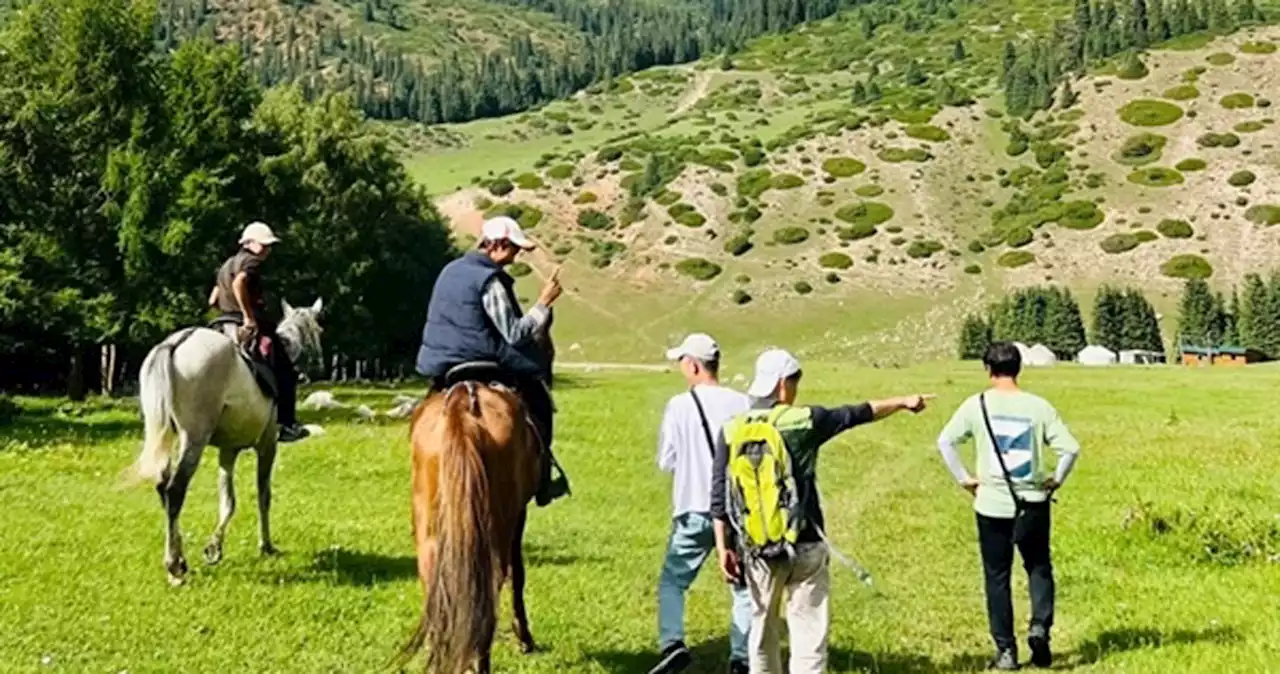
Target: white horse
(196,390)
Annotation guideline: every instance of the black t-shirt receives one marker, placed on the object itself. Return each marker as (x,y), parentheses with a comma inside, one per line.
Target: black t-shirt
(249,264)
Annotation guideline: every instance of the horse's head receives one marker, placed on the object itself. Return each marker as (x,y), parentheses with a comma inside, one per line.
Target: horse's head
(300,331)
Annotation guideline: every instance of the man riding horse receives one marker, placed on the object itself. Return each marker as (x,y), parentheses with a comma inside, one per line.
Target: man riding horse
(239,298)
(474,317)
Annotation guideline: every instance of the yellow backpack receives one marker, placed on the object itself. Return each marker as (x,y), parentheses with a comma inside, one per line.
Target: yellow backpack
(763,505)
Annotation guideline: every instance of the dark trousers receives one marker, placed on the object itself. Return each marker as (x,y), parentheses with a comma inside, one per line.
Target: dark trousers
(995,539)
(281,366)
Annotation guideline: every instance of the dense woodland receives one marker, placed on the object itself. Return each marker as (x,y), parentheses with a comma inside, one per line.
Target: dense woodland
(126,175)
(617,37)
(1033,72)
(1123,319)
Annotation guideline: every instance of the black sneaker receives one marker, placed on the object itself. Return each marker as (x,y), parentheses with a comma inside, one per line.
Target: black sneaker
(675,658)
(1005,661)
(551,490)
(739,667)
(293,433)
(1038,640)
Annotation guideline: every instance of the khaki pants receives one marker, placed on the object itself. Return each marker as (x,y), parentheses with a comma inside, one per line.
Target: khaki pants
(806,581)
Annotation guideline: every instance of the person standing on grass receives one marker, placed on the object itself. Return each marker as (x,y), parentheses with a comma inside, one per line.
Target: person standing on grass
(802,572)
(1012,494)
(686,447)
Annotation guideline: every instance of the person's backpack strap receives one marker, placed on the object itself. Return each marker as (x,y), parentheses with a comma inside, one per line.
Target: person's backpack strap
(995,448)
(706,427)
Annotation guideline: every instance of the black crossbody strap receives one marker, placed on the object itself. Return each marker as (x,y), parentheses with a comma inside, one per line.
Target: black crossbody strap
(995,448)
(706,427)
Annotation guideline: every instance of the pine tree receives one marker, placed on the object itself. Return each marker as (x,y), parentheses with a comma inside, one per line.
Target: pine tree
(1158,28)
(873,91)
(859,93)
(1231,320)
(1133,68)
(1069,97)
(1108,319)
(958,53)
(1247,12)
(1250,316)
(913,75)
(1138,28)
(1197,316)
(1010,60)
(975,337)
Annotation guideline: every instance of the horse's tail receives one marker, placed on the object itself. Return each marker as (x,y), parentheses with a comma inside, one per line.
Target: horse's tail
(460,615)
(155,394)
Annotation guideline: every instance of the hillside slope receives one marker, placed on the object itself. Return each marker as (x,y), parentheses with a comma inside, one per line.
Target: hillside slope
(874,232)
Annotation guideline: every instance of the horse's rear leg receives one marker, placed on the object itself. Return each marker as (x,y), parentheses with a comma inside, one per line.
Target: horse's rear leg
(173,494)
(266,461)
(226,503)
(521,622)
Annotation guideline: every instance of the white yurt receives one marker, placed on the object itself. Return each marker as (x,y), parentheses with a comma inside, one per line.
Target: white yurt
(1141,357)
(1023,351)
(1096,355)
(1040,356)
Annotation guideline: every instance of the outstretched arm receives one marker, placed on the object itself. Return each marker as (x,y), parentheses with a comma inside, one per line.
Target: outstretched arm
(830,422)
(516,330)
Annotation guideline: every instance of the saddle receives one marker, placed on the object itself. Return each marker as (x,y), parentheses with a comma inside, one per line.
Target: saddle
(256,355)
(490,374)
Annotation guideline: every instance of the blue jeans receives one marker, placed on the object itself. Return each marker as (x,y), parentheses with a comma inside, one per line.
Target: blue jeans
(692,540)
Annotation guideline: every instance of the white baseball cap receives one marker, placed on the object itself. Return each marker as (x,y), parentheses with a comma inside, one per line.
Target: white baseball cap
(772,367)
(698,346)
(504,228)
(258,232)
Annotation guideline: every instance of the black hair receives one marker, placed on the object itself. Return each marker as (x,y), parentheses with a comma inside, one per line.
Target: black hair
(711,366)
(1003,360)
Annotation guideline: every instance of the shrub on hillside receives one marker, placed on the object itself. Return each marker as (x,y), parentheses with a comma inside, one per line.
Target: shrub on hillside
(586,198)
(595,220)
(923,249)
(843,167)
(754,182)
(740,297)
(976,246)
(1218,140)
(835,260)
(1080,215)
(1119,243)
(1143,148)
(1149,112)
(698,268)
(719,189)
(786,181)
(1258,48)
(856,232)
(1182,92)
(1249,127)
(1175,229)
(928,132)
(1187,266)
(738,244)
(1145,236)
(1221,59)
(1156,176)
(1263,214)
(500,187)
(1015,258)
(666,198)
(692,219)
(865,213)
(529,181)
(519,269)
(1018,237)
(897,155)
(869,191)
(973,269)
(560,172)
(790,235)
(1237,101)
(1132,68)
(527,215)
(802,287)
(609,154)
(1241,179)
(1191,164)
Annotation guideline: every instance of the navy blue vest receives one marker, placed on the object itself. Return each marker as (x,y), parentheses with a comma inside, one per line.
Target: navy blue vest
(459,331)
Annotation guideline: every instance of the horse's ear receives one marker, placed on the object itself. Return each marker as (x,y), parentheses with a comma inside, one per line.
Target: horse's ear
(318,306)
(285,305)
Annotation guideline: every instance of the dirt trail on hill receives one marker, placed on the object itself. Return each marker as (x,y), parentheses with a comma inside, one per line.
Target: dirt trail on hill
(701,83)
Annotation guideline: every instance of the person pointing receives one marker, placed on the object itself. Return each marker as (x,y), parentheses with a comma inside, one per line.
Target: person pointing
(473,316)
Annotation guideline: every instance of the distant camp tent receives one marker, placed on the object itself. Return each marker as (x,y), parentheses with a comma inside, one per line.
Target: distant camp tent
(1023,352)
(1096,355)
(1040,356)
(1141,357)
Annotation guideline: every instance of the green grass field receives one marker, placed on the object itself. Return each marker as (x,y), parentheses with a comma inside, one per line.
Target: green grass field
(83,589)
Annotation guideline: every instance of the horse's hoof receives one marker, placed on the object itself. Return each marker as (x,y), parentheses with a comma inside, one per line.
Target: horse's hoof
(177,572)
(212,553)
(176,581)
(268,550)
(527,647)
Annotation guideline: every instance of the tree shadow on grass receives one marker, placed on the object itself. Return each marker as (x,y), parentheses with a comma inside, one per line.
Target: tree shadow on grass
(712,656)
(1112,642)
(44,427)
(364,569)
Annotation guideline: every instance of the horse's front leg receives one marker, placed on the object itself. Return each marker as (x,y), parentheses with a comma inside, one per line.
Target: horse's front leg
(521,621)
(226,503)
(173,494)
(266,461)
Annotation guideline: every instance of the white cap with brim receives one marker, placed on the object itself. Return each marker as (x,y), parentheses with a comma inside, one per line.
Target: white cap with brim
(258,232)
(698,346)
(504,228)
(772,367)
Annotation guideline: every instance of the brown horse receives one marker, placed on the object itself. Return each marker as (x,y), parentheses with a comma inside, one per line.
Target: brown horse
(475,469)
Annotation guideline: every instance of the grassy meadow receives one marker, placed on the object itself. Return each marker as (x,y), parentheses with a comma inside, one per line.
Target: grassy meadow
(1186,453)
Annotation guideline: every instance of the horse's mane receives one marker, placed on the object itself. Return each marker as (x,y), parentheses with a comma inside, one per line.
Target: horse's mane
(300,330)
